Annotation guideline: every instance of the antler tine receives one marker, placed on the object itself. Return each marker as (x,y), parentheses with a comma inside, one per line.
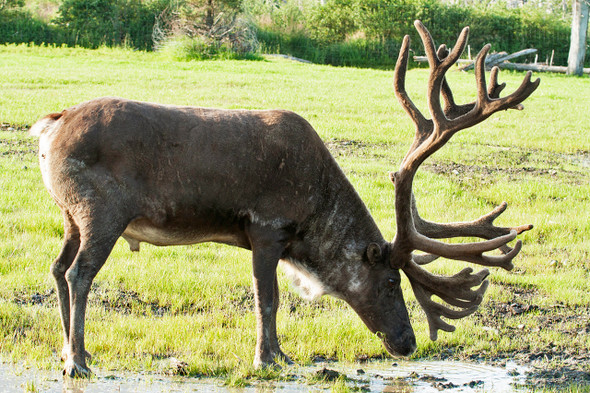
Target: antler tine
(479,226)
(428,44)
(483,227)
(424,259)
(495,89)
(431,52)
(438,68)
(399,80)
(525,89)
(486,104)
(455,290)
(452,110)
(469,252)
(457,286)
(480,76)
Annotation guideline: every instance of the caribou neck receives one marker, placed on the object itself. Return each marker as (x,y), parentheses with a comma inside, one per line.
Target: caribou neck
(335,240)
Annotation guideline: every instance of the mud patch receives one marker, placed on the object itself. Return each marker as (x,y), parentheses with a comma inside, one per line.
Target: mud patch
(547,365)
(580,159)
(479,174)
(550,365)
(47,298)
(354,148)
(510,163)
(13,127)
(425,377)
(17,147)
(240,300)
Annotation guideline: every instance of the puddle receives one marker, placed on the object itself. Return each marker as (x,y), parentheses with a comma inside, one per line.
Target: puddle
(448,376)
(581,159)
(419,376)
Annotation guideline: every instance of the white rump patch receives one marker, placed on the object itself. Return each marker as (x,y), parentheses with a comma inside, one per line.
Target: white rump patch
(39,126)
(45,129)
(42,125)
(307,285)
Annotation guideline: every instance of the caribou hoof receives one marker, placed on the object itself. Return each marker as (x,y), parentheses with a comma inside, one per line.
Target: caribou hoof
(284,359)
(275,360)
(75,370)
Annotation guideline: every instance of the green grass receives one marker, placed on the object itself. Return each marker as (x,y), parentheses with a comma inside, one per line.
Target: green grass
(194,303)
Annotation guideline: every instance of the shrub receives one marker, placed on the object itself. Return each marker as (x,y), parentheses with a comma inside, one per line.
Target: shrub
(217,30)
(18,26)
(198,48)
(91,23)
(334,21)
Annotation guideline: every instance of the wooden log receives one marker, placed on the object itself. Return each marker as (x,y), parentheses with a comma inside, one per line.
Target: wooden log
(537,68)
(520,53)
(502,62)
(497,58)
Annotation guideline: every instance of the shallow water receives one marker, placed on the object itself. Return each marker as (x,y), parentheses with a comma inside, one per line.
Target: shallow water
(418,376)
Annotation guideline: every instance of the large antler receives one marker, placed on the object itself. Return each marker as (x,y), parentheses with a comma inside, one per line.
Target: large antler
(414,233)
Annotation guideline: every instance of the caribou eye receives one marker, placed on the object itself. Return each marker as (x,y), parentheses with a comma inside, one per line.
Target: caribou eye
(393,283)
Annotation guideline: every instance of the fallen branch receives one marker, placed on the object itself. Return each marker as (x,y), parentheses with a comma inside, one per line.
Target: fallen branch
(537,68)
(501,61)
(497,59)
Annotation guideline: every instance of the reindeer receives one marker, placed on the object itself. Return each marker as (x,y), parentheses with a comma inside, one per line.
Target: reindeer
(264,181)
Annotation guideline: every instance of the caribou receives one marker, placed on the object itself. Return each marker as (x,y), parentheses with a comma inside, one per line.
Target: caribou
(263,180)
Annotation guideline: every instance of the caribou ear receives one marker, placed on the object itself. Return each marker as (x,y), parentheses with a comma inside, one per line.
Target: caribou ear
(374,253)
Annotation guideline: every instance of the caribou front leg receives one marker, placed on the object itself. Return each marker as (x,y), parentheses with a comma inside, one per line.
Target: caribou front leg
(267,248)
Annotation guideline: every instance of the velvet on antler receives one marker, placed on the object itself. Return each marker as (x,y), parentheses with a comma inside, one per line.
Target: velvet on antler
(417,234)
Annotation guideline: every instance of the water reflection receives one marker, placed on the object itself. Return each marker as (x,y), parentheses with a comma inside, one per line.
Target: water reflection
(399,387)
(75,386)
(401,377)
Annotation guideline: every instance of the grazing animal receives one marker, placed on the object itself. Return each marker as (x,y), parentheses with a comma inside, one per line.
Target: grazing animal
(264,181)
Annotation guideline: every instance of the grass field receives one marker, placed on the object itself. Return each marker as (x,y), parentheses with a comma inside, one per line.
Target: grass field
(195,303)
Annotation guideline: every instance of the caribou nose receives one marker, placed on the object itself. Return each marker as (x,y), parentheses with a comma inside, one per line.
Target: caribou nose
(402,345)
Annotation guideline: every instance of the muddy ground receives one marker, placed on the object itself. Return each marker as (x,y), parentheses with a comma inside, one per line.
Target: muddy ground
(548,367)
(552,366)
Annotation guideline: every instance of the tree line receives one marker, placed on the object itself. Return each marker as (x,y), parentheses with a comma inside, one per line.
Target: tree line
(338,32)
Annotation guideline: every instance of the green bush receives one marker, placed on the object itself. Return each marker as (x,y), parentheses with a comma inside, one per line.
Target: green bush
(87,23)
(206,30)
(334,21)
(352,53)
(387,19)
(198,48)
(91,23)
(18,26)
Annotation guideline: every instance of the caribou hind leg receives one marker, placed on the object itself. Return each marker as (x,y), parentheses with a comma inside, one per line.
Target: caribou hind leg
(58,269)
(97,237)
